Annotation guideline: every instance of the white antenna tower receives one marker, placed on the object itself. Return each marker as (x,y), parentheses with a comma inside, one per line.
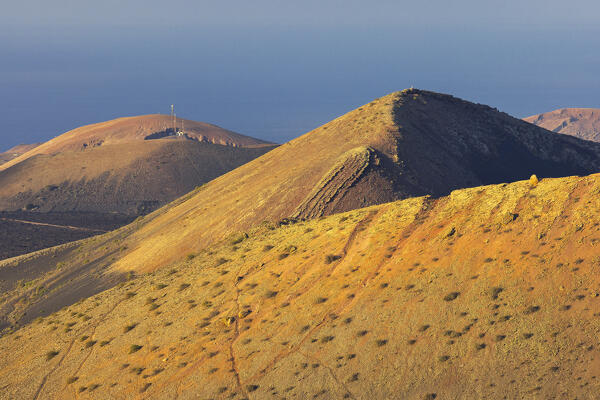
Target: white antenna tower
(174,119)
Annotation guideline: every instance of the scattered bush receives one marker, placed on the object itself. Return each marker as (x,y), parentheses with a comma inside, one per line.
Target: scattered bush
(329,258)
(327,339)
(134,348)
(451,296)
(183,286)
(533,181)
(495,292)
(51,354)
(221,261)
(532,309)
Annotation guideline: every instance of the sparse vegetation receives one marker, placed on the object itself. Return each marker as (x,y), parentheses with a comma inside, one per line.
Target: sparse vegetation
(134,348)
(329,258)
(451,296)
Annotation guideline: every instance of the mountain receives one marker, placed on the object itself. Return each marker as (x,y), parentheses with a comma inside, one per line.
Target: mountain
(128,165)
(489,292)
(583,123)
(102,176)
(405,144)
(16,151)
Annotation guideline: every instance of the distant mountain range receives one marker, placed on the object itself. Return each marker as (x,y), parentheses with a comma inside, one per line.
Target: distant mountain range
(583,123)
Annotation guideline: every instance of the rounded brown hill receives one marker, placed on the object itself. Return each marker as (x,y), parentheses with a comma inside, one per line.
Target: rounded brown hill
(128,165)
(583,123)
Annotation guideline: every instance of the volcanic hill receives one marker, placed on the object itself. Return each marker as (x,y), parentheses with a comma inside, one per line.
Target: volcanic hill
(583,123)
(405,144)
(99,177)
(490,292)
(128,165)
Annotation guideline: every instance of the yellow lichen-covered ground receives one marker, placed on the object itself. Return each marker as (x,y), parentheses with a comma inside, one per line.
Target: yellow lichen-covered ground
(490,292)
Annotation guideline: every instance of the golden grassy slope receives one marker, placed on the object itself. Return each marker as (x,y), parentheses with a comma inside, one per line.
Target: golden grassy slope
(583,123)
(490,292)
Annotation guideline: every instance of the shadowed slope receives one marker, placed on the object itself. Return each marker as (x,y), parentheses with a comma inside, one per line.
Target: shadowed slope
(490,292)
(583,123)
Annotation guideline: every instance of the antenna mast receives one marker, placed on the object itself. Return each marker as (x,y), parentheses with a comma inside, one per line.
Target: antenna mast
(174,119)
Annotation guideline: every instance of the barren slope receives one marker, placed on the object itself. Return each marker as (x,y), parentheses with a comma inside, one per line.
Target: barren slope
(131,178)
(129,166)
(583,123)
(491,292)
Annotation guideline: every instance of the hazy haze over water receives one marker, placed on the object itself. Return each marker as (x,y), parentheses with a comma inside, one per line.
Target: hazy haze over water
(275,70)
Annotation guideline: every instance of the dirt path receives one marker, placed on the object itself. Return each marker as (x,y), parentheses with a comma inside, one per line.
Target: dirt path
(74,228)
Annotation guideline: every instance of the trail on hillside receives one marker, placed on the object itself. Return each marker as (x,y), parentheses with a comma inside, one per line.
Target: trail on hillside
(74,228)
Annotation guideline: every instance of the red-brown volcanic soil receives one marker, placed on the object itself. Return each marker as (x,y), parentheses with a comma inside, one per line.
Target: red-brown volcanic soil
(583,123)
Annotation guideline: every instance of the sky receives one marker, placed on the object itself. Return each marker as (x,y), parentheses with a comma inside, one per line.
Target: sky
(275,69)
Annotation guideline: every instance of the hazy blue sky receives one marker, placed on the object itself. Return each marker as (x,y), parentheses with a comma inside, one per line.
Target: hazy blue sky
(275,69)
